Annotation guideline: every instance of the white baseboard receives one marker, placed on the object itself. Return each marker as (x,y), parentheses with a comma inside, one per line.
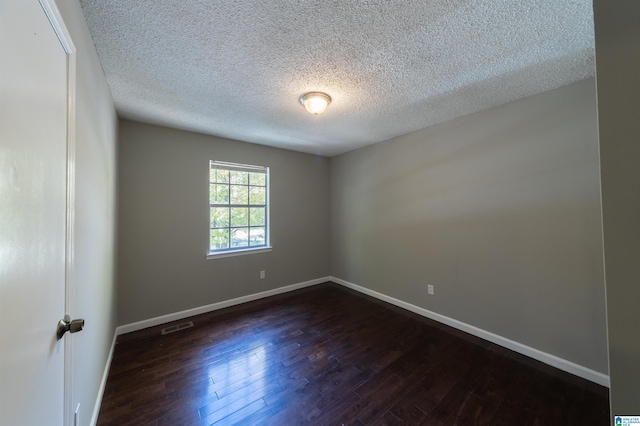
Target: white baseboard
(103,382)
(552,360)
(128,328)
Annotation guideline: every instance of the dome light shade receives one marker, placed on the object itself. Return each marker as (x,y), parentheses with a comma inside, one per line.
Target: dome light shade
(315,102)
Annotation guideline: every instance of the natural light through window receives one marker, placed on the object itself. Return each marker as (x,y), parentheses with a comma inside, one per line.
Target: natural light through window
(238,207)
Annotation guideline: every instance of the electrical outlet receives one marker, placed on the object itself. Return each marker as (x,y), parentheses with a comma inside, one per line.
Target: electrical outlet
(262,275)
(430,289)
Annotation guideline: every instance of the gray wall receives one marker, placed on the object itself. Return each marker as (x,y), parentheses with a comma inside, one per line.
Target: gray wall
(500,210)
(164,222)
(95,215)
(617,30)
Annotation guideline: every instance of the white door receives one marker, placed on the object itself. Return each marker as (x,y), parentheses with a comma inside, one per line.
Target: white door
(33,143)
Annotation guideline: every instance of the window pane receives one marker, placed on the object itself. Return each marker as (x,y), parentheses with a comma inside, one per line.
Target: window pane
(219,217)
(257,195)
(219,239)
(239,216)
(241,178)
(219,194)
(222,176)
(257,216)
(256,236)
(240,237)
(239,194)
(233,190)
(258,179)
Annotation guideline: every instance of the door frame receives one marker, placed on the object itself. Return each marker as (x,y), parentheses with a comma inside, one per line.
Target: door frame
(57,23)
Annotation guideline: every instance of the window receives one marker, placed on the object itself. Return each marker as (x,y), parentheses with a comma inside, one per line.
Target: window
(239,208)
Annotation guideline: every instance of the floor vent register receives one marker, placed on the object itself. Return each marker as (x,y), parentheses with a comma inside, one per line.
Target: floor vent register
(178,327)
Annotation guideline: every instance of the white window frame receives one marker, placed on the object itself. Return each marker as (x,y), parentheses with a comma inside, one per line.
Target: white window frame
(238,251)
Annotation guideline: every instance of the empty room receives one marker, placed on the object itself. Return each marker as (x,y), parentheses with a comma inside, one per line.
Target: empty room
(319,212)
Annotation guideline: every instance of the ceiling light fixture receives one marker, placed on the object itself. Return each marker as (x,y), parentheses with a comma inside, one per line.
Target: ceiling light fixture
(315,102)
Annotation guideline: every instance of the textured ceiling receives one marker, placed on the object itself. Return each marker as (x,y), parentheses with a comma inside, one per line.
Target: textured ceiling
(236,68)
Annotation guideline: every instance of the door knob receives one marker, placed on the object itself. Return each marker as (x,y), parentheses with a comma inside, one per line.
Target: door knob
(66,324)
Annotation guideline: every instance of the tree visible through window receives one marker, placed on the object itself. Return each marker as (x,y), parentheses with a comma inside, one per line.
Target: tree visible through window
(239,207)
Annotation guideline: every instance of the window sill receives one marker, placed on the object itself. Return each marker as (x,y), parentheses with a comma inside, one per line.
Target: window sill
(222,254)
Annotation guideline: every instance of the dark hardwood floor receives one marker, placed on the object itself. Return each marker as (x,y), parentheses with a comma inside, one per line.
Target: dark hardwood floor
(326,355)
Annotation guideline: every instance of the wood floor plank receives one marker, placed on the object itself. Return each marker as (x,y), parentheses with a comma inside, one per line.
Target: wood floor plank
(326,355)
(238,416)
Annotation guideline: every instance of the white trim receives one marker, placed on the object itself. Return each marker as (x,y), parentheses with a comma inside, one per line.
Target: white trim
(71,182)
(552,360)
(103,382)
(213,164)
(70,399)
(128,328)
(223,254)
(55,18)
